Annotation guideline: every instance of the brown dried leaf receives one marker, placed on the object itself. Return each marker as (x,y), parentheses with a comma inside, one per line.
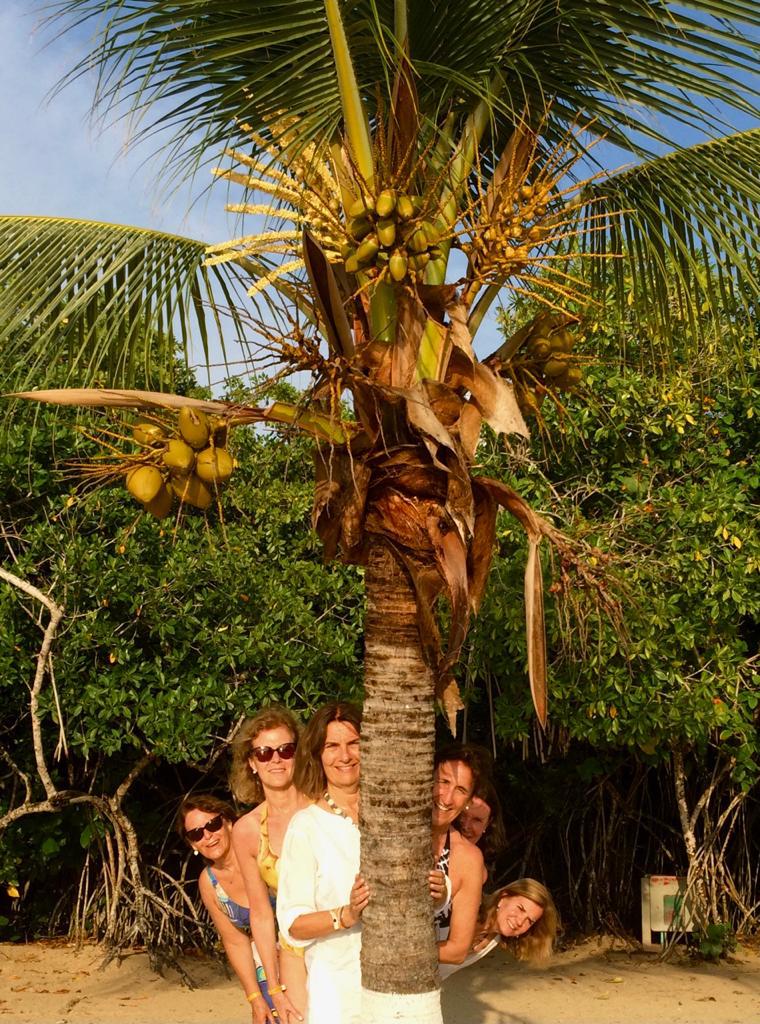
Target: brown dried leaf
(411,320)
(403,127)
(324,517)
(116,398)
(468,430)
(480,554)
(512,165)
(437,299)
(459,333)
(340,497)
(514,503)
(328,298)
(447,692)
(444,401)
(451,558)
(401,519)
(495,397)
(426,424)
(459,500)
(536,631)
(402,470)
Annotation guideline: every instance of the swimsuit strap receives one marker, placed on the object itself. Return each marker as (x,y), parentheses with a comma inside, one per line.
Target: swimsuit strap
(443,859)
(443,914)
(264,850)
(267,859)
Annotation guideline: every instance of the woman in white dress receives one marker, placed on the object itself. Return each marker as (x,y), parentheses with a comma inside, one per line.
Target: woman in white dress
(321,895)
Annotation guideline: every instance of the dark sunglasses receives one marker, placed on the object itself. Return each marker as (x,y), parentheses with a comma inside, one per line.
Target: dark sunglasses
(264,754)
(212,825)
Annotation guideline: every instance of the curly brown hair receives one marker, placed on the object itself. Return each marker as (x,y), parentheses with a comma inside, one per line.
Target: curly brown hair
(244,783)
(536,944)
(310,775)
(202,802)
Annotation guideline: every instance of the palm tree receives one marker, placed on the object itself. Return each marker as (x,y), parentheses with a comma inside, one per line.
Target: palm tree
(412,162)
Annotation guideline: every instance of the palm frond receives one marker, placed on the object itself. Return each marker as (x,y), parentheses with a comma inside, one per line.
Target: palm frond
(689,221)
(217,64)
(82,300)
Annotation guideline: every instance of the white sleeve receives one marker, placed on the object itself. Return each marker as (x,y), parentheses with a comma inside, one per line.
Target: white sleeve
(297,879)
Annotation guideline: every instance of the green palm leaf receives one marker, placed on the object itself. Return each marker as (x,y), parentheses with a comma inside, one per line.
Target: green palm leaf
(690,219)
(214,62)
(80,299)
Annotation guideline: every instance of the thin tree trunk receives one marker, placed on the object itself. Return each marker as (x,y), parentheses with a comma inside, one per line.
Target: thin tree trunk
(399,959)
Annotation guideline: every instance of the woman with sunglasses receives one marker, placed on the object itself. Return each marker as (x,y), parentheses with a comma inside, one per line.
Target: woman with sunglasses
(205,822)
(520,917)
(321,895)
(262,773)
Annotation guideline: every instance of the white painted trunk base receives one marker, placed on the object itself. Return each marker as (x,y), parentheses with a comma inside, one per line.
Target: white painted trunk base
(392,1008)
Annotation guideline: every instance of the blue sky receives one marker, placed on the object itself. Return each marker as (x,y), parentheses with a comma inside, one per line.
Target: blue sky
(56,162)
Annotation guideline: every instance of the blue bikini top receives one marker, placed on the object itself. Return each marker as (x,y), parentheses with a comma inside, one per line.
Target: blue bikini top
(238,914)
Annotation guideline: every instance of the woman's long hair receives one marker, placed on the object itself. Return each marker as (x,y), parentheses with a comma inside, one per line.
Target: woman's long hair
(494,839)
(244,783)
(537,942)
(310,775)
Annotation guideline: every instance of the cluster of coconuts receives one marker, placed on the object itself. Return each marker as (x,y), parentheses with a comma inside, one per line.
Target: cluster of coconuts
(388,235)
(515,227)
(191,465)
(548,354)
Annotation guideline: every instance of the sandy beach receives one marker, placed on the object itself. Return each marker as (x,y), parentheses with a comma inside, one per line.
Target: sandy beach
(599,982)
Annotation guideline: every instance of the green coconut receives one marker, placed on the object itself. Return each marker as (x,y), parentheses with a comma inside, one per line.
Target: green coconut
(193,426)
(192,491)
(148,434)
(144,483)
(214,465)
(161,505)
(179,456)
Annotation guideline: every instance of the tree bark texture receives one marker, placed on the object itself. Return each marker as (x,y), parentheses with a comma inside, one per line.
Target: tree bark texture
(398,730)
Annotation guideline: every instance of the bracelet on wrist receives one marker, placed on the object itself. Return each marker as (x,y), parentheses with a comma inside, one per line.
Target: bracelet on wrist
(340,918)
(335,918)
(253,996)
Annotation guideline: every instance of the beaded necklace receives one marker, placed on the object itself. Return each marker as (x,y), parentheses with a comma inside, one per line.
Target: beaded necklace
(337,810)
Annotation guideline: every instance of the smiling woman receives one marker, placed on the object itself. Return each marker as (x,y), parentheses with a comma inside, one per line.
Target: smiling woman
(457,773)
(521,917)
(205,822)
(321,894)
(263,755)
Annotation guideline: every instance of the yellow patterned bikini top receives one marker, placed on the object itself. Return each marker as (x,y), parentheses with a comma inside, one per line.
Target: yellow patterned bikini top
(267,860)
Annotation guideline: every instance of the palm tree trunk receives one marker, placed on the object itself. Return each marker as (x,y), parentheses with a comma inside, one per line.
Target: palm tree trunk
(399,961)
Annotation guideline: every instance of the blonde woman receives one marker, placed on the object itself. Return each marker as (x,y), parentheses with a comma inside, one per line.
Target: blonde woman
(263,759)
(520,917)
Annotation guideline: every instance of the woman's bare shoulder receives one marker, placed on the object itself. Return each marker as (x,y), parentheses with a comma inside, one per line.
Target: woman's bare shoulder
(248,827)
(205,887)
(464,851)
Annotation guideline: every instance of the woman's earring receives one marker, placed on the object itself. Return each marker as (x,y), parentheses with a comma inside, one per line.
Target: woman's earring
(254,772)
(195,853)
